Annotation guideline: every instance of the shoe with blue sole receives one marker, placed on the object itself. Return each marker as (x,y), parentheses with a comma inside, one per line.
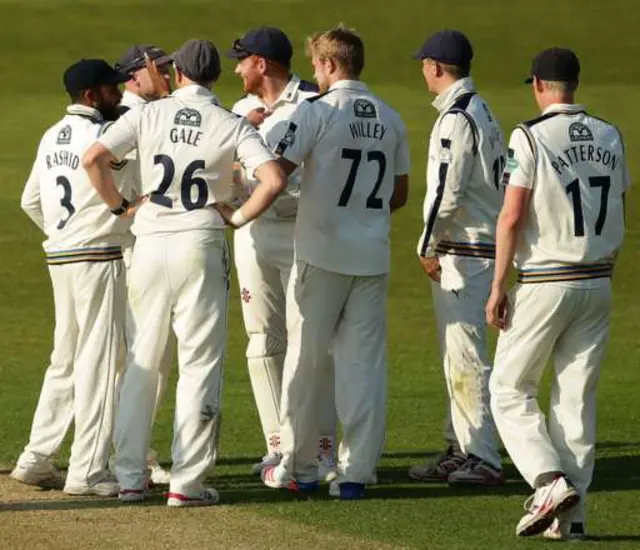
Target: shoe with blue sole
(346,490)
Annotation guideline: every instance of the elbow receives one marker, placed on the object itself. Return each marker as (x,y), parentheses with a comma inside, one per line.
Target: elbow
(88,160)
(509,220)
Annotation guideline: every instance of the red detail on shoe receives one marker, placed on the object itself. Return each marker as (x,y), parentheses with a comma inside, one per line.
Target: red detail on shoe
(268,473)
(293,486)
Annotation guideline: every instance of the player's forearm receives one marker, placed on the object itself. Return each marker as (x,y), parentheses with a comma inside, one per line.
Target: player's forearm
(400,193)
(96,163)
(272,182)
(507,233)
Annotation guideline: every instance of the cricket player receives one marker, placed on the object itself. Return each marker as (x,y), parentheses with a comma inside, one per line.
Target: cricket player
(84,254)
(356,163)
(563,223)
(179,270)
(265,247)
(456,250)
(139,90)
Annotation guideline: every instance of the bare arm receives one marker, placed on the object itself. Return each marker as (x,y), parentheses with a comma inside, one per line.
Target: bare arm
(96,162)
(512,216)
(400,192)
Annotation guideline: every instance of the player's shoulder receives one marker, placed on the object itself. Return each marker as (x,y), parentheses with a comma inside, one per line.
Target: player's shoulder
(323,97)
(537,121)
(246,103)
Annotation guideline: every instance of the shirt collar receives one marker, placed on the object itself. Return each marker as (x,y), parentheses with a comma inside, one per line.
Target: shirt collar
(448,97)
(129,99)
(349,84)
(564,107)
(85,111)
(195,91)
(288,95)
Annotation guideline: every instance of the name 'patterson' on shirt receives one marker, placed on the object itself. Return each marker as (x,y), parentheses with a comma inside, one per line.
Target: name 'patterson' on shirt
(584,153)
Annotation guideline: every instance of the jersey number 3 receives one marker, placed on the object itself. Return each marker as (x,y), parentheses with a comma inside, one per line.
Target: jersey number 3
(573,189)
(189,181)
(355,156)
(65,201)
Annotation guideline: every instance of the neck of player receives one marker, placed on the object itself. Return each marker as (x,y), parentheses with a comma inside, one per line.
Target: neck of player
(272,87)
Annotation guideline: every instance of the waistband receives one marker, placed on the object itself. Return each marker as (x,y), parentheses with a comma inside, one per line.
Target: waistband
(476,250)
(89,254)
(574,272)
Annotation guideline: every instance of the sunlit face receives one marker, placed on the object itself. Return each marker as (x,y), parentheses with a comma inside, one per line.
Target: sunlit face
(321,72)
(251,71)
(429,72)
(144,83)
(106,99)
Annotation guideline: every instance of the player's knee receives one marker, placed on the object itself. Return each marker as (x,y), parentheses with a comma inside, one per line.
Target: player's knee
(264,344)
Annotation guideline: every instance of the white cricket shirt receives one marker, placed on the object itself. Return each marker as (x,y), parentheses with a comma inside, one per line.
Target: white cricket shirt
(351,145)
(272,130)
(61,200)
(186,146)
(464,169)
(575,166)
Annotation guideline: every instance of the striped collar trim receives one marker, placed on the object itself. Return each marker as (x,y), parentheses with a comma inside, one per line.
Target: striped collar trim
(86,112)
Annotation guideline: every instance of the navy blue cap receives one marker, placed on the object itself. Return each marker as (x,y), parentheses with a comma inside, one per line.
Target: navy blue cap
(198,60)
(555,64)
(450,47)
(133,59)
(268,42)
(90,73)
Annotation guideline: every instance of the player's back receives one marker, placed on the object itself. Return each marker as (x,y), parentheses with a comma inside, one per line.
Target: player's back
(77,222)
(187,146)
(576,219)
(344,215)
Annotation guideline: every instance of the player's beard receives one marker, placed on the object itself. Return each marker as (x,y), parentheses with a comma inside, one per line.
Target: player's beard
(109,111)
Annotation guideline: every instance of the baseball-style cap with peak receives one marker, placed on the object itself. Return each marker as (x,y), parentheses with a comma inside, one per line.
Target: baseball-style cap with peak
(448,46)
(555,64)
(90,73)
(268,42)
(133,59)
(198,60)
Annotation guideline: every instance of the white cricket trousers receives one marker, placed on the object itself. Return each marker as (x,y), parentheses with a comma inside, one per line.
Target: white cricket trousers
(350,311)
(569,326)
(263,252)
(177,280)
(459,301)
(79,385)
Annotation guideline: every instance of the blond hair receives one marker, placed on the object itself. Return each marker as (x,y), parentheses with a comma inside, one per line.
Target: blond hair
(342,45)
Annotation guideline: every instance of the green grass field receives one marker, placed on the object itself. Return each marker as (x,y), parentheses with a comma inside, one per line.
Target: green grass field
(40,38)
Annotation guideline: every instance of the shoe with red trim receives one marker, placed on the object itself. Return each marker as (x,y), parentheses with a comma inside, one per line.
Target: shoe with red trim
(545,504)
(207,497)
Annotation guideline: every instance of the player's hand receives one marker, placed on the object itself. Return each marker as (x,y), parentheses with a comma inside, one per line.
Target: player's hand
(497,309)
(257,116)
(159,80)
(431,266)
(134,206)
(225,211)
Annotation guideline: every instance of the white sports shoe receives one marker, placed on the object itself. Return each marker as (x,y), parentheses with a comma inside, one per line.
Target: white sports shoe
(565,530)
(273,476)
(107,487)
(267,460)
(545,504)
(159,475)
(46,476)
(208,497)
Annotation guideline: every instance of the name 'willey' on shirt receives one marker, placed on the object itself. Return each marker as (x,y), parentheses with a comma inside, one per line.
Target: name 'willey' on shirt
(361,129)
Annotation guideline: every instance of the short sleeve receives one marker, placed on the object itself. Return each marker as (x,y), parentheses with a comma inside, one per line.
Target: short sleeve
(521,165)
(299,138)
(122,136)
(251,151)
